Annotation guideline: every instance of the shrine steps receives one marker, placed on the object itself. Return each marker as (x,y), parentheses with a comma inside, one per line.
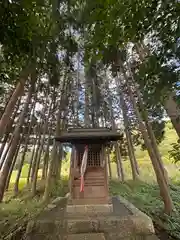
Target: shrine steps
(88,201)
(92,222)
(117,221)
(107,228)
(86,211)
(90,181)
(85,236)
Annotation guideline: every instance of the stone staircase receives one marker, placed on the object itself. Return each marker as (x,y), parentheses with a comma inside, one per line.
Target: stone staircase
(117,221)
(86,236)
(102,221)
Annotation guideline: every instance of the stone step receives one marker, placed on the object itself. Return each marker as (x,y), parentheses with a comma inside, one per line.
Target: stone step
(89,209)
(115,227)
(90,181)
(85,236)
(82,201)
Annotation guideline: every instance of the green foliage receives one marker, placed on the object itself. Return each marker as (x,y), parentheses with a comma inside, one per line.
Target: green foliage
(174,153)
(145,196)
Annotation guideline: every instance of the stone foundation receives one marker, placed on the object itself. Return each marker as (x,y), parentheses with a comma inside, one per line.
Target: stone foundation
(117,221)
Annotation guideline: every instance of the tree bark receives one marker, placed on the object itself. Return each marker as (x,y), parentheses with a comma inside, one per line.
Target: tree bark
(16,185)
(45,127)
(119,162)
(13,164)
(46,159)
(133,153)
(128,137)
(53,160)
(164,190)
(149,128)
(34,161)
(31,160)
(86,112)
(173,111)
(12,150)
(109,165)
(5,119)
(6,152)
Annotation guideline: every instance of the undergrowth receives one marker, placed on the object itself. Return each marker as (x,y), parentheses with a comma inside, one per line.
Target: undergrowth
(146,197)
(19,210)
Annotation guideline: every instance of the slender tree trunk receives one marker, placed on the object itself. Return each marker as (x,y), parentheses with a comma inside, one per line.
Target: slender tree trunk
(143,52)
(119,162)
(24,151)
(45,165)
(109,165)
(56,174)
(12,150)
(173,112)
(35,176)
(117,167)
(6,152)
(9,129)
(168,205)
(13,164)
(150,130)
(133,153)
(4,144)
(19,90)
(53,160)
(128,137)
(5,119)
(34,161)
(86,113)
(31,160)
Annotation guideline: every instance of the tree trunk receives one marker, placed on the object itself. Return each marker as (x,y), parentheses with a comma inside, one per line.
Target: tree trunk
(109,165)
(133,153)
(19,90)
(45,128)
(13,164)
(149,129)
(168,205)
(128,137)
(53,160)
(143,52)
(46,159)
(56,173)
(16,185)
(119,162)
(4,144)
(13,147)
(86,112)
(9,129)
(173,111)
(34,161)
(5,119)
(31,161)
(6,152)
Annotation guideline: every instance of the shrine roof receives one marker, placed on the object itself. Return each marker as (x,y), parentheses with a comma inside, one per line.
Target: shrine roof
(89,135)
